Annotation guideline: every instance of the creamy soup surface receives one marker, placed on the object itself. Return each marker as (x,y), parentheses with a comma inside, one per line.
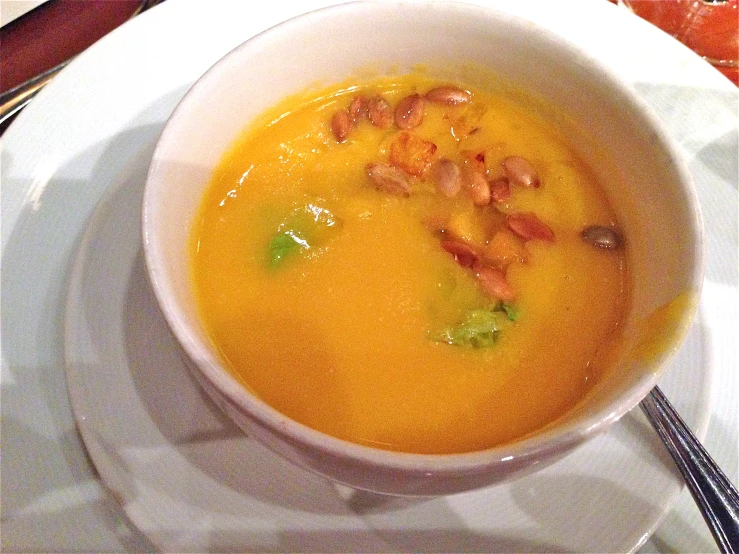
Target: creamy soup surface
(401,264)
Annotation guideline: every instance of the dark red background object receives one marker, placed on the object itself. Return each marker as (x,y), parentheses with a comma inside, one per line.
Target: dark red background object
(53,32)
(709,28)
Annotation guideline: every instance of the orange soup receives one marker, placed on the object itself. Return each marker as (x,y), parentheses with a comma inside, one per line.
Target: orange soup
(410,265)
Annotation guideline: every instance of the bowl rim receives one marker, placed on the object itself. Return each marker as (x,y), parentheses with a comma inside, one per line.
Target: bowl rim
(531,445)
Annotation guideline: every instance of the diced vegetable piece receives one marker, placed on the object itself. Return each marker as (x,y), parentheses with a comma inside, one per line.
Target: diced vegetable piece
(503,249)
(412,154)
(465,121)
(468,226)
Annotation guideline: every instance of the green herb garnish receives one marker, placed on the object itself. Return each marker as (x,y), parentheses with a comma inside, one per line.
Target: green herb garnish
(509,310)
(307,227)
(479,328)
(284,244)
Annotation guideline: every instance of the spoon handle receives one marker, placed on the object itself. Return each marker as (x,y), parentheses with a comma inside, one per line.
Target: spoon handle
(16,99)
(716,497)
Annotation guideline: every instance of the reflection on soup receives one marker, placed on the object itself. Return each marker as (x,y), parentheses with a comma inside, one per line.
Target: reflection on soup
(409,265)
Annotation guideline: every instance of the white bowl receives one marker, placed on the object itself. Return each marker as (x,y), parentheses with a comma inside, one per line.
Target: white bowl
(662,215)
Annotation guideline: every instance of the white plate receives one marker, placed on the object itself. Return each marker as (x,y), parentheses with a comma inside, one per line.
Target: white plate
(73,166)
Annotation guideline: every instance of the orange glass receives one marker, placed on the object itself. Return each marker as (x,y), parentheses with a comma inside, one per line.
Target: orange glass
(710,28)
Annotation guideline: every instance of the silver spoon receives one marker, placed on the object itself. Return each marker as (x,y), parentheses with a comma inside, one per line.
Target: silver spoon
(715,495)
